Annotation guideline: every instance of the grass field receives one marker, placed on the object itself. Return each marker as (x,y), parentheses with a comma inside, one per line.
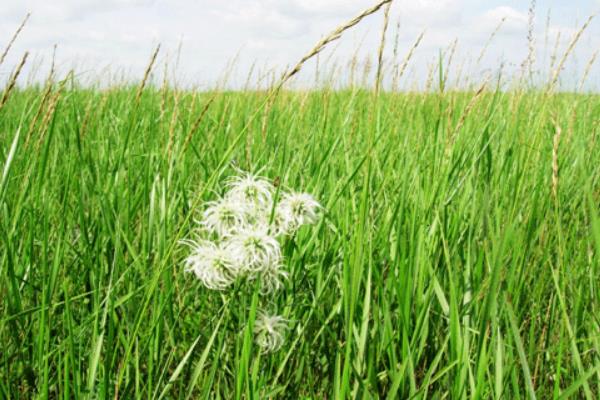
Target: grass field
(458,255)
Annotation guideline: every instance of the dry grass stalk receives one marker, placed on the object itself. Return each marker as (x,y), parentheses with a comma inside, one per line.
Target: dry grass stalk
(50,111)
(547,33)
(34,69)
(249,76)
(38,114)
(147,74)
(248,148)
(196,124)
(354,63)
(554,55)
(262,79)
(409,56)
(396,41)
(587,71)
(100,108)
(51,73)
(88,113)
(164,89)
(572,44)
(466,113)
(527,65)
(555,144)
(572,121)
(490,39)
(272,93)
(395,56)
(386,19)
(227,72)
(265,118)
(13,80)
(367,68)
(433,66)
(192,105)
(173,123)
(449,63)
(353,67)
(333,73)
(330,57)
(45,96)
(14,38)
(334,35)
(459,74)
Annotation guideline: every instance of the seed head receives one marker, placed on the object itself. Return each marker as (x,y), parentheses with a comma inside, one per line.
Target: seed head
(225,216)
(271,278)
(295,210)
(255,191)
(213,265)
(254,248)
(269,332)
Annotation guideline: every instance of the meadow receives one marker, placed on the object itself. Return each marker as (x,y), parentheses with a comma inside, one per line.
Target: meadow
(457,255)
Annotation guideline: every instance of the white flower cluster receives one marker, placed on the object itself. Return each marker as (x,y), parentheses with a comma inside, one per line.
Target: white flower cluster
(241,233)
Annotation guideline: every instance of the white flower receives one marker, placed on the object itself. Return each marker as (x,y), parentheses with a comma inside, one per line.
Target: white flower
(269,332)
(253,190)
(295,210)
(281,223)
(271,278)
(225,216)
(254,249)
(213,265)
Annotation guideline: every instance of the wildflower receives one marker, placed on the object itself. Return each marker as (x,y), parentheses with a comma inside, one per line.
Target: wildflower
(213,265)
(281,224)
(255,191)
(254,248)
(225,216)
(295,210)
(271,278)
(269,332)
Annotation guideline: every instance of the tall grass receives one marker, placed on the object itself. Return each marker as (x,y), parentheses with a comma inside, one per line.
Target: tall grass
(458,256)
(442,268)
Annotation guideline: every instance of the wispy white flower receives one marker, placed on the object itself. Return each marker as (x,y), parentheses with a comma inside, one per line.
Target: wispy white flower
(281,223)
(256,191)
(295,210)
(225,216)
(271,278)
(254,248)
(213,265)
(269,332)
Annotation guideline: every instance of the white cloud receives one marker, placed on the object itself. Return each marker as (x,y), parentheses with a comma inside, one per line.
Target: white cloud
(275,33)
(514,21)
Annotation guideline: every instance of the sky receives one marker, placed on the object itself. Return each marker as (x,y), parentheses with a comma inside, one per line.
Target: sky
(202,39)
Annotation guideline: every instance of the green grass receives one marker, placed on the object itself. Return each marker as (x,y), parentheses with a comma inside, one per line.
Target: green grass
(444,266)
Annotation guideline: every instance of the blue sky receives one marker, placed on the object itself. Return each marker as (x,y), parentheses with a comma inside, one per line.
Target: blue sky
(94,36)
